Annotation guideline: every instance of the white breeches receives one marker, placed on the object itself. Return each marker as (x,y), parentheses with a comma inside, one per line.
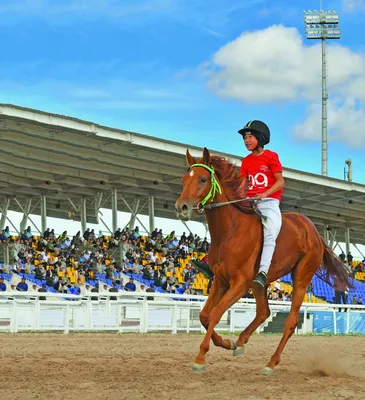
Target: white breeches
(269,208)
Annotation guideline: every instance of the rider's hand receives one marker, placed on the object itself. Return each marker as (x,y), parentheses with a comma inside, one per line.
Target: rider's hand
(261,196)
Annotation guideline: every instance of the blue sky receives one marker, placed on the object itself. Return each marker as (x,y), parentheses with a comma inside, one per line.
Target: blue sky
(193,71)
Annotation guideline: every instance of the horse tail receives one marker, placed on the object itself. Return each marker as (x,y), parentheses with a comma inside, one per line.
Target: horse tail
(336,274)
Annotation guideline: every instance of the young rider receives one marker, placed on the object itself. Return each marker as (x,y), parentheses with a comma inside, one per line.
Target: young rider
(263,170)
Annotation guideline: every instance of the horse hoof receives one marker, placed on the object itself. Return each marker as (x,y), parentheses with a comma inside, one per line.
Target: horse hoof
(233,345)
(199,367)
(239,351)
(267,371)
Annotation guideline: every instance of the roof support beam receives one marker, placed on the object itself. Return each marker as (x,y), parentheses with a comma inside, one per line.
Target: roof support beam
(26,214)
(114,210)
(347,240)
(132,221)
(338,244)
(136,210)
(358,250)
(333,237)
(6,216)
(151,212)
(43,213)
(4,213)
(83,216)
(130,210)
(325,235)
(98,203)
(187,226)
(73,205)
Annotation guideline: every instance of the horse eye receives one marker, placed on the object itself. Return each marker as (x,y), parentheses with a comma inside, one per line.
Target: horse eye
(203,180)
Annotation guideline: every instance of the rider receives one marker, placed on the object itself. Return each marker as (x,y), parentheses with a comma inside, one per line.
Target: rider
(263,170)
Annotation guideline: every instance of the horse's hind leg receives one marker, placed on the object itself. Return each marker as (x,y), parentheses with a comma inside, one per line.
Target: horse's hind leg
(290,324)
(303,275)
(262,313)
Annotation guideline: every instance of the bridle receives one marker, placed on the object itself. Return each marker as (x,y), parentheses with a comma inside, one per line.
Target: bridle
(214,189)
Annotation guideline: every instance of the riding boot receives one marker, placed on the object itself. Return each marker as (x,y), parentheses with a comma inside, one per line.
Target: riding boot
(203,268)
(260,279)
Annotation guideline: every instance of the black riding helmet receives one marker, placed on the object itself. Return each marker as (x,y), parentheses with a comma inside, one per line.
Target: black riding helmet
(258,129)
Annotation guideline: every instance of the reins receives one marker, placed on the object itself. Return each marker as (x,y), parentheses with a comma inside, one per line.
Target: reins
(216,188)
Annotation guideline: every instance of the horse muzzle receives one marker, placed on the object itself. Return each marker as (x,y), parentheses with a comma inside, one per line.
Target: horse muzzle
(184,211)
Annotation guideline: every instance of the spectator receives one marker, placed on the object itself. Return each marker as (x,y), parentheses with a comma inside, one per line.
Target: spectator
(95,289)
(349,258)
(340,293)
(158,276)
(22,286)
(42,290)
(2,285)
(150,290)
(167,286)
(113,289)
(130,286)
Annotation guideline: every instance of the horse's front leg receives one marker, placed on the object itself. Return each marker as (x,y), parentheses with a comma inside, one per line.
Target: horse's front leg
(233,294)
(215,295)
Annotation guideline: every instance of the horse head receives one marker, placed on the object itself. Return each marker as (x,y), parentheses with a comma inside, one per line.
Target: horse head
(199,186)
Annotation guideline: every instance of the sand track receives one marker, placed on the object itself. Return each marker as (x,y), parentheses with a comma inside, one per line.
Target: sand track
(158,366)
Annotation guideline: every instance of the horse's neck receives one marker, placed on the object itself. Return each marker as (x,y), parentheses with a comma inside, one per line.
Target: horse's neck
(222,220)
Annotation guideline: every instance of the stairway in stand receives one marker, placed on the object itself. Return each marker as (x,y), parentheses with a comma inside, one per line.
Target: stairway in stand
(278,322)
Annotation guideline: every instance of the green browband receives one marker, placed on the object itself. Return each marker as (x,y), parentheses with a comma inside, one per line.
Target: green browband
(215,185)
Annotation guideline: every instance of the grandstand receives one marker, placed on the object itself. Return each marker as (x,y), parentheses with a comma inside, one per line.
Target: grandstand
(59,264)
(77,271)
(57,166)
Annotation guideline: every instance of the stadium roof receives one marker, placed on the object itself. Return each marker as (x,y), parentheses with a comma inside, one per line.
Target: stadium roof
(62,158)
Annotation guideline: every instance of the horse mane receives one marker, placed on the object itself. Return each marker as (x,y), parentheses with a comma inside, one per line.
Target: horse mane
(231,181)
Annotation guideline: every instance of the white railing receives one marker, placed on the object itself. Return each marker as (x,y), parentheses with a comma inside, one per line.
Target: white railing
(133,312)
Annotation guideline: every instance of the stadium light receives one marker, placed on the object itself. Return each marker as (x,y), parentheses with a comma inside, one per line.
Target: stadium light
(323,25)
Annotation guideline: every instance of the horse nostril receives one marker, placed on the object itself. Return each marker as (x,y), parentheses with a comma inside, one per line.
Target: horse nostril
(184,208)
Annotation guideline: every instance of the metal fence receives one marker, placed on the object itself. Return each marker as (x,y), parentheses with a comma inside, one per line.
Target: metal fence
(148,312)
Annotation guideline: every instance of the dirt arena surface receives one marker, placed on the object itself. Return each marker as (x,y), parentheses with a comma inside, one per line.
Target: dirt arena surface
(158,366)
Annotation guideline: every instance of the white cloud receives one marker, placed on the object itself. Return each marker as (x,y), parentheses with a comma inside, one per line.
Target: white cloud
(353,5)
(275,65)
(345,124)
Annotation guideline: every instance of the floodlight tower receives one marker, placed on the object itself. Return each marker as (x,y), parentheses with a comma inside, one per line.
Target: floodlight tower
(323,25)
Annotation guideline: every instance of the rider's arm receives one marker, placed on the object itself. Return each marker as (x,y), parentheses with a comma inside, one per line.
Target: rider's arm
(277,169)
(279,183)
(243,174)
(243,187)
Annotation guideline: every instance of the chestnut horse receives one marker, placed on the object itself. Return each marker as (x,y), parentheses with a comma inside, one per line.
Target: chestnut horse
(234,254)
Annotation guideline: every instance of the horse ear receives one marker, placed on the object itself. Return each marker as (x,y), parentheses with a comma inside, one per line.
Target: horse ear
(206,156)
(189,158)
